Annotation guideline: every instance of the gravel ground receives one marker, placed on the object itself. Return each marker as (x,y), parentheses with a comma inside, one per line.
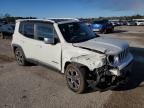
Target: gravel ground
(39,87)
(132,29)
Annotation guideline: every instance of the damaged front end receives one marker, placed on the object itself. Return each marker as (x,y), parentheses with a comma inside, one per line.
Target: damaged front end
(107,77)
(104,74)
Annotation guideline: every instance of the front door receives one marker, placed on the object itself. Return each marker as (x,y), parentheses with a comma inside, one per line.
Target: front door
(49,54)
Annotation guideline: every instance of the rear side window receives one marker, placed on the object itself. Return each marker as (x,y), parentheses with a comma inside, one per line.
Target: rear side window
(27,29)
(38,30)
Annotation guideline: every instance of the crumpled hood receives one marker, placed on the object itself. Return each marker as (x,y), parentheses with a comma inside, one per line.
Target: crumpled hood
(104,44)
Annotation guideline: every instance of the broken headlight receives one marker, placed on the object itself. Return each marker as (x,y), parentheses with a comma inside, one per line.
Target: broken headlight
(113,60)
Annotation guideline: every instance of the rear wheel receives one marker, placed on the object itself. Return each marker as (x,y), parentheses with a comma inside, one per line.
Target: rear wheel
(20,57)
(76,78)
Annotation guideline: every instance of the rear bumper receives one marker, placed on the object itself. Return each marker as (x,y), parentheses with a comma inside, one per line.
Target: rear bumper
(102,29)
(141,24)
(96,30)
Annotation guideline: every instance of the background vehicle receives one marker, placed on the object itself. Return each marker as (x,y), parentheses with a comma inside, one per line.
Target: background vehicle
(7,30)
(115,22)
(1,24)
(103,26)
(139,22)
(131,23)
(70,47)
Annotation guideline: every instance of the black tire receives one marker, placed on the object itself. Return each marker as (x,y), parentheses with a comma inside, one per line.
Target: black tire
(111,30)
(2,35)
(105,31)
(76,78)
(20,57)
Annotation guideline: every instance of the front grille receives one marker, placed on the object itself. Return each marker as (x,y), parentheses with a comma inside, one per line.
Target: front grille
(123,54)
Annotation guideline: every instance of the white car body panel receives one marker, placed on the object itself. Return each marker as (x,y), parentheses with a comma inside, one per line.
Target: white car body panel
(48,54)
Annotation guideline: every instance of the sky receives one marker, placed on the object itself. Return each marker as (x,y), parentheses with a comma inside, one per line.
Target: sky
(71,8)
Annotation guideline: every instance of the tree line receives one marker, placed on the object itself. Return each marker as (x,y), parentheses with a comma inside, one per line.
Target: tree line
(11,19)
(120,18)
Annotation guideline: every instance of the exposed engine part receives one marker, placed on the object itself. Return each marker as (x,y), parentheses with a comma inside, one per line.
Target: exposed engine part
(115,72)
(102,78)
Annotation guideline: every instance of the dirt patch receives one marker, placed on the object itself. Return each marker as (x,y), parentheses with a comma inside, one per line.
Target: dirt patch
(5,59)
(131,94)
(6,53)
(130,28)
(123,99)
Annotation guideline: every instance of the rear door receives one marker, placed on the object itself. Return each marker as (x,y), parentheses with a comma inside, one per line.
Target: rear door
(26,40)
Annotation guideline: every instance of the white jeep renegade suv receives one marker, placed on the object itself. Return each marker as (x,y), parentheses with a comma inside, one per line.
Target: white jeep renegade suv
(69,46)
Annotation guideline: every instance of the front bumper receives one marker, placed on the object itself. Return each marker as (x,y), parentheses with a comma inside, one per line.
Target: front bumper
(111,79)
(123,76)
(127,69)
(126,62)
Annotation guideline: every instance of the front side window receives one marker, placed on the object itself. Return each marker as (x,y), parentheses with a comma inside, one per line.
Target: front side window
(44,31)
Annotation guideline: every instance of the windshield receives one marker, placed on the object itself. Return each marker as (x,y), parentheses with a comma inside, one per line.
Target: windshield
(76,32)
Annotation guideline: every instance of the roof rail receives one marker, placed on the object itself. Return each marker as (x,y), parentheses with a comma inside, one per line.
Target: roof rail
(34,20)
(63,19)
(50,19)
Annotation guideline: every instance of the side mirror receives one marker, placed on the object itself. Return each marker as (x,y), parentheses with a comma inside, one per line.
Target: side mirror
(49,40)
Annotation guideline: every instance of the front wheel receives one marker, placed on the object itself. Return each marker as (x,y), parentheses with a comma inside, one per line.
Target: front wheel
(76,78)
